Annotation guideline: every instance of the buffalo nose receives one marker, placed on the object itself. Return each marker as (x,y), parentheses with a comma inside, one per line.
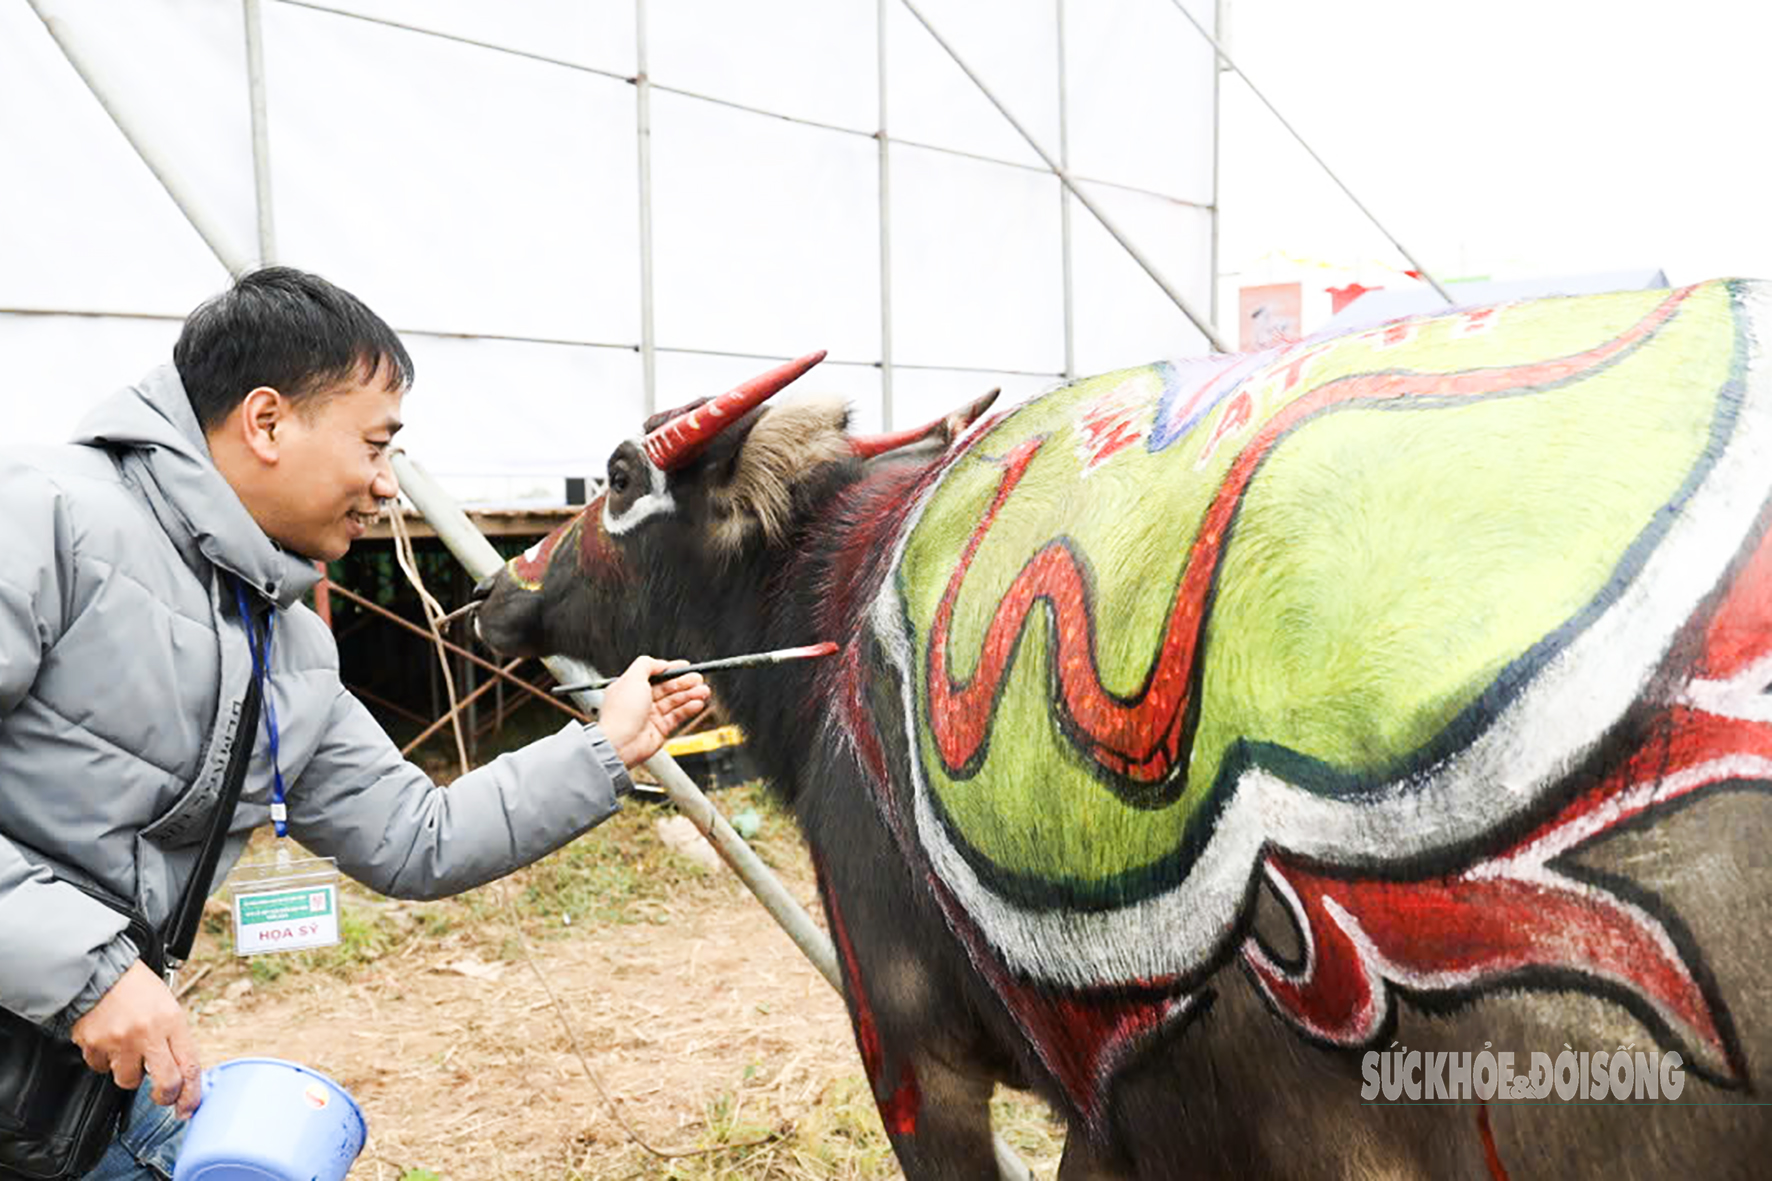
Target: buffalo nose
(483,588)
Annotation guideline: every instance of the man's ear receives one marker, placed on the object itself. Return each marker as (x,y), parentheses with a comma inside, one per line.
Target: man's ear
(262,412)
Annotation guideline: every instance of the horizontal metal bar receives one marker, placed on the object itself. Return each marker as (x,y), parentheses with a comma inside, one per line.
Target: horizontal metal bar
(986,369)
(588,344)
(91,314)
(516,338)
(502,522)
(459,39)
(440,333)
(694,352)
(767,114)
(1049,171)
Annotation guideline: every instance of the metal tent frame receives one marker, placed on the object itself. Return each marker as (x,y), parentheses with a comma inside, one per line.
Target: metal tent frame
(208,227)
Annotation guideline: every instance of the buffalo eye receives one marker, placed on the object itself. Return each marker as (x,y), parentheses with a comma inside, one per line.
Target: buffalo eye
(627,478)
(621,473)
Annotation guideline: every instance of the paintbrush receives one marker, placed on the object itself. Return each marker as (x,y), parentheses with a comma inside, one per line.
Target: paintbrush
(748,660)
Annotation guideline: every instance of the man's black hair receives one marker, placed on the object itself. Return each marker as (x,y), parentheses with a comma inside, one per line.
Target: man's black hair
(286,329)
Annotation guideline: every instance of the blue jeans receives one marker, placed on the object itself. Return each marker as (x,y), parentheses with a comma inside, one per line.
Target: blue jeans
(147,1148)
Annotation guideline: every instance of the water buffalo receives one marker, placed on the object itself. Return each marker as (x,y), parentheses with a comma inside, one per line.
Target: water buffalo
(1259,756)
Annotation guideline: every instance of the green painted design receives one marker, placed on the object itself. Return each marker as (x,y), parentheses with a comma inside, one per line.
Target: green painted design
(1388,558)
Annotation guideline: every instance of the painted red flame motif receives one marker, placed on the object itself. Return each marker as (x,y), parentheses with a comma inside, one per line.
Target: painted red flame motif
(1141,737)
(596,555)
(530,568)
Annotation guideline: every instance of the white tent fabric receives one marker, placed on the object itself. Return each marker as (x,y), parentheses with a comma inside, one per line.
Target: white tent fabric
(488,200)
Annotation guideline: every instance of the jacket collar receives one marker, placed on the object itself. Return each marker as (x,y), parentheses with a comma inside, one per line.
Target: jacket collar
(152,429)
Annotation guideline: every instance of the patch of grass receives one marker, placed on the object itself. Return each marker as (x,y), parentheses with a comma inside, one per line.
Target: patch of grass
(839,1139)
(588,881)
(842,1137)
(432,922)
(263,969)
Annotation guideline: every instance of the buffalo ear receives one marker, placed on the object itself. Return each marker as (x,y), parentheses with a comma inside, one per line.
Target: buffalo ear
(753,493)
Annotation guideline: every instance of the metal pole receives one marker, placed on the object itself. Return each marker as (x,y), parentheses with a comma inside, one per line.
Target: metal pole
(1205,328)
(1275,112)
(476,553)
(643,134)
(206,226)
(261,142)
(1064,205)
(886,415)
(1217,127)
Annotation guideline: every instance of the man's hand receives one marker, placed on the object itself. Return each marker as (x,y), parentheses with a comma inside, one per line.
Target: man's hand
(136,1024)
(638,716)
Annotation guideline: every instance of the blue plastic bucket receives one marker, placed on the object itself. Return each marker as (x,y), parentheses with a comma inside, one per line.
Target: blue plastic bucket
(263,1119)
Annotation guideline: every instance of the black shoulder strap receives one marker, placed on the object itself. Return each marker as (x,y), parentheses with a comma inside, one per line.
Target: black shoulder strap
(181,929)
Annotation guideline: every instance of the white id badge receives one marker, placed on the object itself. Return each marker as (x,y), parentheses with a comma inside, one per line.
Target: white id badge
(285,906)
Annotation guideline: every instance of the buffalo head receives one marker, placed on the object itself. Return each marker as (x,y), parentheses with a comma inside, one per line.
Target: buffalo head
(699,511)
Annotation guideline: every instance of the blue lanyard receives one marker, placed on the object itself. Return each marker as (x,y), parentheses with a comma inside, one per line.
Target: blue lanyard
(261,671)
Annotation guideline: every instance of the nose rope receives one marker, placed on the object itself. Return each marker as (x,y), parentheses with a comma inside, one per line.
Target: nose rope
(464,609)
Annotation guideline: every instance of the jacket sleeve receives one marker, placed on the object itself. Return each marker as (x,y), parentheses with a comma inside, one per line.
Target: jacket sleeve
(390,828)
(60,950)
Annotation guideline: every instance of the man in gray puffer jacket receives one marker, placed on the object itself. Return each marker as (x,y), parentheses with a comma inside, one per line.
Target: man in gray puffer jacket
(124,662)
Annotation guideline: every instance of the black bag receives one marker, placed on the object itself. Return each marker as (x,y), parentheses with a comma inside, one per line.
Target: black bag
(58,1115)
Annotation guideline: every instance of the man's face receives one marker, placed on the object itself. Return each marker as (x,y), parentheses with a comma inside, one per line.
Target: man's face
(333,471)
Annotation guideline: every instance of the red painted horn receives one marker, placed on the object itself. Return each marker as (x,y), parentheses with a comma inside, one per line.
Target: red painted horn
(950,426)
(680,440)
(868,446)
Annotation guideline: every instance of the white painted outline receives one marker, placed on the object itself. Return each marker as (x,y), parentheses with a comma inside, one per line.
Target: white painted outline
(656,503)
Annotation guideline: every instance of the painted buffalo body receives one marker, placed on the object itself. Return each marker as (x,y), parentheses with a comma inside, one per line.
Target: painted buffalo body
(1202,726)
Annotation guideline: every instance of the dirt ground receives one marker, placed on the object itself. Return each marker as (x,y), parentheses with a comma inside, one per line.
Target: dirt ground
(463,1067)
(695,1013)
